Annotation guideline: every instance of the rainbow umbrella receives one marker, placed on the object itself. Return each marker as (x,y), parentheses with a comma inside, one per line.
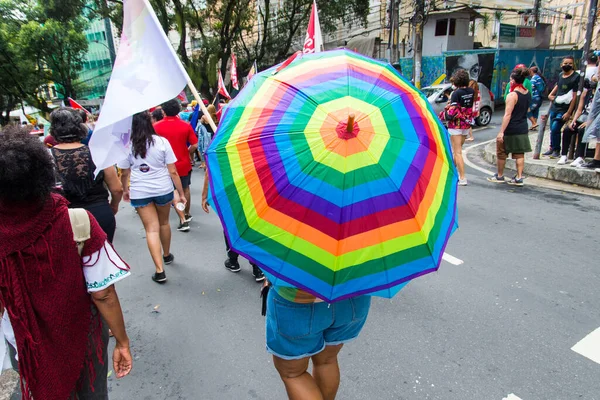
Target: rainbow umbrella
(334,175)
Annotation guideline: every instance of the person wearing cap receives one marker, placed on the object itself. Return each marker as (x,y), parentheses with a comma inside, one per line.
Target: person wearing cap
(526,84)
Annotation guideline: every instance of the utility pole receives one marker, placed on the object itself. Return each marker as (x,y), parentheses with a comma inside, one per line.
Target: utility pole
(397,30)
(392,44)
(536,12)
(589,31)
(418,21)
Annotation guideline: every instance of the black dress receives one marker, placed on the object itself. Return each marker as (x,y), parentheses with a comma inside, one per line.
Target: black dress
(75,170)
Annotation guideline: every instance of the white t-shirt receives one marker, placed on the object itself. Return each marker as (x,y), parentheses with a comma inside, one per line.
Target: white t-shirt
(150,176)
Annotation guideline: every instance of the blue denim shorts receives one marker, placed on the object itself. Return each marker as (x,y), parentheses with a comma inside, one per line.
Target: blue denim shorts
(158,200)
(296,330)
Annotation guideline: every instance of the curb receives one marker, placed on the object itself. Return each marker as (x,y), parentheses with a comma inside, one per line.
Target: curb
(566,174)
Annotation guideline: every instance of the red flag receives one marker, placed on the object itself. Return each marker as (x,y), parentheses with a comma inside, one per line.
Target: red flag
(182,97)
(234,77)
(288,61)
(314,40)
(222,89)
(76,105)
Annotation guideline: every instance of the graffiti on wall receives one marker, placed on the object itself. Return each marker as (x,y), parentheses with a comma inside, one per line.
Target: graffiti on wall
(479,66)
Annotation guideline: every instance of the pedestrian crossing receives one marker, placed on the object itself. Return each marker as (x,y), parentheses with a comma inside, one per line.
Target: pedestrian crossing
(589,346)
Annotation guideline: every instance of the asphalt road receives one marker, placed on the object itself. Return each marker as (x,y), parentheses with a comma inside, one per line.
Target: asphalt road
(502,323)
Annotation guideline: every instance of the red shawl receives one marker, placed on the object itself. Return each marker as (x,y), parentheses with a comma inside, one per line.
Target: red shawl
(43,288)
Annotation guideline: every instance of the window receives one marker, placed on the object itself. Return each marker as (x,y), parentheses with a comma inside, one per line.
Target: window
(103,35)
(452,31)
(441,27)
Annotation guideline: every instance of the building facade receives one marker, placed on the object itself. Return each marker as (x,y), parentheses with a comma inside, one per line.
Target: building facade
(97,66)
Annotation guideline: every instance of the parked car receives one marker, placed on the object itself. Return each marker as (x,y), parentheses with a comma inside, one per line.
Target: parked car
(435,95)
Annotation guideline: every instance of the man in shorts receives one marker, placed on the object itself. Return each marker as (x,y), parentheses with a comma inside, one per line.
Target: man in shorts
(184,142)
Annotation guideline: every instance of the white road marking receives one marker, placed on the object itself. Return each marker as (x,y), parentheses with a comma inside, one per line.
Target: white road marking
(451,259)
(511,397)
(589,346)
(472,164)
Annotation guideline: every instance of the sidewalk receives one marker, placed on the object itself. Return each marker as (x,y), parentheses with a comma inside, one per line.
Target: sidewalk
(9,385)
(548,168)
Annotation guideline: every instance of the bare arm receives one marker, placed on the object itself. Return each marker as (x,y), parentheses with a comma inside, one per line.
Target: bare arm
(176,181)
(580,106)
(109,307)
(125,174)
(205,192)
(552,94)
(114,187)
(511,100)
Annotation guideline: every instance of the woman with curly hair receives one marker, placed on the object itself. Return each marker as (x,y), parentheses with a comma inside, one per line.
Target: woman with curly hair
(151,166)
(460,113)
(60,302)
(75,169)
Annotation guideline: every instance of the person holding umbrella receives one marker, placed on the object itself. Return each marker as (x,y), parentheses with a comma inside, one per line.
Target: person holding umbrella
(338,190)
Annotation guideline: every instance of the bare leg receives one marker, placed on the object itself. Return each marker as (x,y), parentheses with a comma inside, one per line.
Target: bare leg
(326,371)
(165,228)
(597,152)
(520,165)
(149,218)
(188,197)
(501,165)
(457,142)
(299,384)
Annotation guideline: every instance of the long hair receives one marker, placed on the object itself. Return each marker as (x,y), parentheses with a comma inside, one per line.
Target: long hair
(142,133)
(475,86)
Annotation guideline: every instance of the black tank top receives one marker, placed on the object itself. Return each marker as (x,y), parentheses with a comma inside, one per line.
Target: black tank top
(75,170)
(518,120)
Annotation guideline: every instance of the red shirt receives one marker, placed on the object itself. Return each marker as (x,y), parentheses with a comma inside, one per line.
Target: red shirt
(180,135)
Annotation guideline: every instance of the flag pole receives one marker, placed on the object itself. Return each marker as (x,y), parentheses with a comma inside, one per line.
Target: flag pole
(202,106)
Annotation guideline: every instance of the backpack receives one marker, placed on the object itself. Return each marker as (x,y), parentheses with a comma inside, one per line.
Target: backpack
(80,223)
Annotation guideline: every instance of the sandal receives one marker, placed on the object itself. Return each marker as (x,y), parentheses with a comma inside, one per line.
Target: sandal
(534,127)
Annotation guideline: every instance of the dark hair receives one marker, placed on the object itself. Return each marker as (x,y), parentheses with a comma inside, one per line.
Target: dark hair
(83,115)
(158,114)
(569,58)
(593,58)
(142,133)
(461,78)
(534,69)
(519,75)
(171,107)
(66,126)
(26,167)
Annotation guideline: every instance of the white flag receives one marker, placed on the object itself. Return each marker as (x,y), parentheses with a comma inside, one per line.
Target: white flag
(147,72)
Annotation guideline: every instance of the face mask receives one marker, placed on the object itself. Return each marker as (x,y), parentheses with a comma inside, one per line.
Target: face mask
(567,68)
(453,87)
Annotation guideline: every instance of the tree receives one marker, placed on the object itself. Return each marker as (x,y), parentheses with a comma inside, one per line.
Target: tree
(484,23)
(59,50)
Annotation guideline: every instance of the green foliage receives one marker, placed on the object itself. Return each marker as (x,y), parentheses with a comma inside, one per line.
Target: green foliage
(36,49)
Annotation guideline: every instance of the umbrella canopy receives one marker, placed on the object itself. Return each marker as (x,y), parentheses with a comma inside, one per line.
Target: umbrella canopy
(333,206)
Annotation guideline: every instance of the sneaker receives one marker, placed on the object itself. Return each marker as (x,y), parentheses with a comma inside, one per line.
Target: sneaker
(183,227)
(159,277)
(597,170)
(258,274)
(462,182)
(562,161)
(232,266)
(548,153)
(169,259)
(188,218)
(591,165)
(516,182)
(497,179)
(578,161)
(555,154)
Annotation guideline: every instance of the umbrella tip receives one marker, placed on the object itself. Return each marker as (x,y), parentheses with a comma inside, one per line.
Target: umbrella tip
(350,127)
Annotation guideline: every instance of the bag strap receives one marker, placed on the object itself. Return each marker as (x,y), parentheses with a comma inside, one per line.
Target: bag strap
(80,223)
